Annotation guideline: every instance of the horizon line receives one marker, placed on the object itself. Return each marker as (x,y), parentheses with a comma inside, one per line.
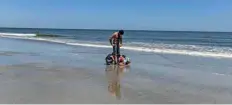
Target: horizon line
(116,29)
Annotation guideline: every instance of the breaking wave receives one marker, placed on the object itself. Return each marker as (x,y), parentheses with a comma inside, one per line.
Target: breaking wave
(17,34)
(193,50)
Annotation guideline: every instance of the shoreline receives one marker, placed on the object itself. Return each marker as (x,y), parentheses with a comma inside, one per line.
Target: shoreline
(206,54)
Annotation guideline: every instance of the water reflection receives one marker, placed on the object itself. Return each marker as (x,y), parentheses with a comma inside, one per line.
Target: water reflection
(114,74)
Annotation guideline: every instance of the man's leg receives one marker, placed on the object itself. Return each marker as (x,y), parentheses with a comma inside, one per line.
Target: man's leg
(114,50)
(118,52)
(114,54)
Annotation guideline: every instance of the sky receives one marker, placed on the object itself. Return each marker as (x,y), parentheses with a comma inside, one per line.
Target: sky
(177,15)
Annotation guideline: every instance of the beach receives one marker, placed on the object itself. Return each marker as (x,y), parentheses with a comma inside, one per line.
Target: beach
(38,72)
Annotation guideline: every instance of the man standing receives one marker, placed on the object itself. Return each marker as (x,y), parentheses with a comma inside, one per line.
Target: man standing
(116,42)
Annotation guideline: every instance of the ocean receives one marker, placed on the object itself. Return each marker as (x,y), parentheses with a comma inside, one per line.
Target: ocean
(205,44)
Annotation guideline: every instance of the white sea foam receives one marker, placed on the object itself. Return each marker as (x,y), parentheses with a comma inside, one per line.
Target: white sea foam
(17,34)
(219,54)
(219,74)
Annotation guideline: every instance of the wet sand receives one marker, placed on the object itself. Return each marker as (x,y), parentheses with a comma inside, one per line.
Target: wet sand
(43,73)
(38,84)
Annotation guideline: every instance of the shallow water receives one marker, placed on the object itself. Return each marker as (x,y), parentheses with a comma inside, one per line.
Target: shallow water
(44,72)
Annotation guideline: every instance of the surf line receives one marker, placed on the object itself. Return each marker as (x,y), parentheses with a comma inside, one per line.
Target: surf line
(140,49)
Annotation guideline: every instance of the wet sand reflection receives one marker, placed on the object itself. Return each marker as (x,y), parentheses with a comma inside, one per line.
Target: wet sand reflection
(114,74)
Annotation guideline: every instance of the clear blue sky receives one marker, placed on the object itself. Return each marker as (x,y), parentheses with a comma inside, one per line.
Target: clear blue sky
(201,15)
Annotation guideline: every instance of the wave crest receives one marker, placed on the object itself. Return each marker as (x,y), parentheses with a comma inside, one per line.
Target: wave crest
(165,48)
(17,34)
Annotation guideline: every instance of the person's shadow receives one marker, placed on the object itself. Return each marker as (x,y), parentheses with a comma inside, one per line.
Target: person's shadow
(113,74)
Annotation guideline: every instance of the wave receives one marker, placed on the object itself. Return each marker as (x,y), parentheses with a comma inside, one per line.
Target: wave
(17,34)
(29,35)
(201,48)
(165,48)
(181,52)
(220,74)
